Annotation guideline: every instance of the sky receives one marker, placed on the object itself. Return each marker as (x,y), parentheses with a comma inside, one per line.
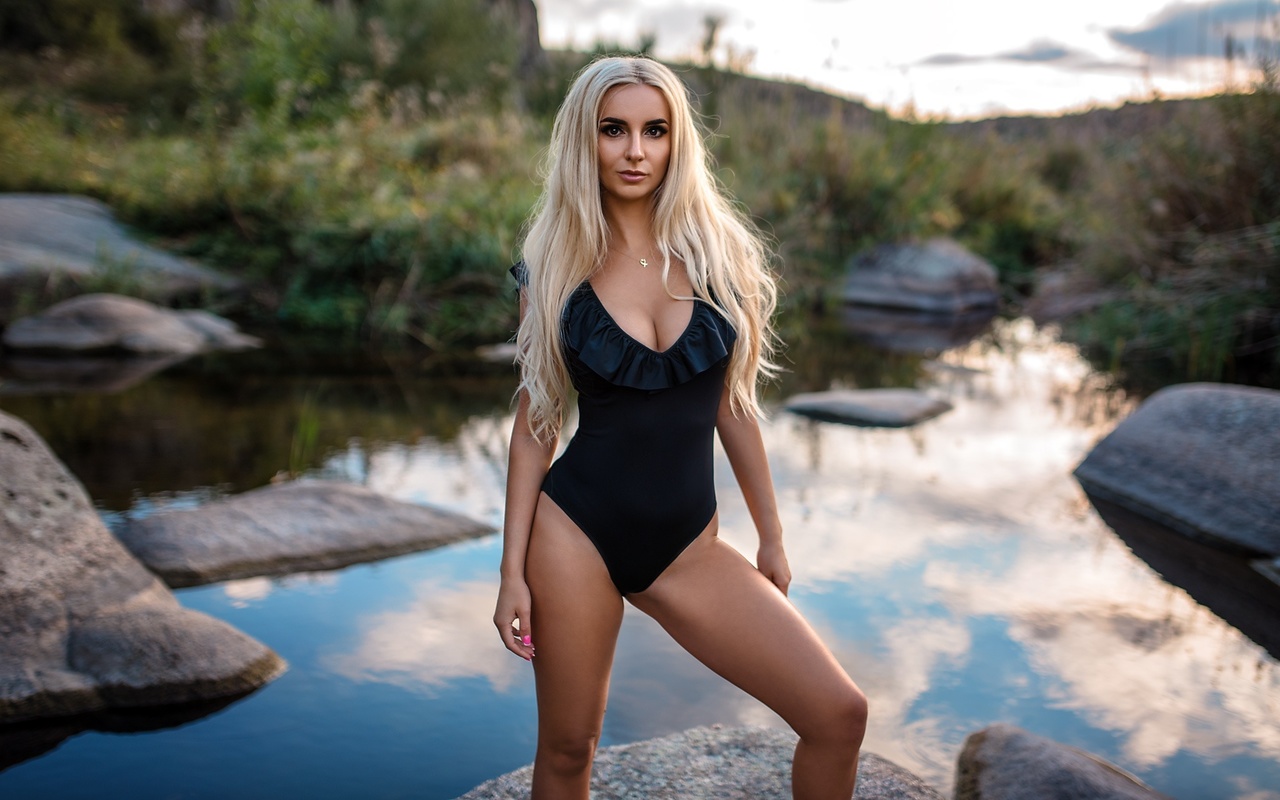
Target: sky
(946,58)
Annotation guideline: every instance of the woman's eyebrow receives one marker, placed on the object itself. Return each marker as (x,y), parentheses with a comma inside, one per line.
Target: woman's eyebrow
(616,121)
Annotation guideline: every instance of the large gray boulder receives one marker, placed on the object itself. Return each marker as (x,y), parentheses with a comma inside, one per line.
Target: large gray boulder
(291,527)
(938,275)
(1202,459)
(712,763)
(83,625)
(872,408)
(109,323)
(44,235)
(1003,762)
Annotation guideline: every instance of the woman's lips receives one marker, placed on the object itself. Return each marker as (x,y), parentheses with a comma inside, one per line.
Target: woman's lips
(633,177)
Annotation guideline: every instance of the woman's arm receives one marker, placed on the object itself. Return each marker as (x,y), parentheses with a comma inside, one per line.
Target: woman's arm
(745,448)
(527,464)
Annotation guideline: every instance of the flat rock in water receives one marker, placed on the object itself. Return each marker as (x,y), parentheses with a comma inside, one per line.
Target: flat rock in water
(1200,458)
(876,408)
(292,527)
(109,323)
(712,763)
(83,625)
(1003,762)
(46,234)
(938,275)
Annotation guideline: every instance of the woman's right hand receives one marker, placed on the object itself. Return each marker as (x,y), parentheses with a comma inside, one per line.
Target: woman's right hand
(513,610)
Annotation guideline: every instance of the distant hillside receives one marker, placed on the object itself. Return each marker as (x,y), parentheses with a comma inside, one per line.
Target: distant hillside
(1128,120)
(766,96)
(751,94)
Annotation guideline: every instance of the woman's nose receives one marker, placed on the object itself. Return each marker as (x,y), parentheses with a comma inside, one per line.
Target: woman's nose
(635,147)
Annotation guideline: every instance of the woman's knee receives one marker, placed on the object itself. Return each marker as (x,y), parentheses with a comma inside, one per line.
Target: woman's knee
(568,755)
(842,720)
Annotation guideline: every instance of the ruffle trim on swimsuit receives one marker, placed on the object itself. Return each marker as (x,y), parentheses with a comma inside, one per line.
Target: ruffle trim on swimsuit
(614,355)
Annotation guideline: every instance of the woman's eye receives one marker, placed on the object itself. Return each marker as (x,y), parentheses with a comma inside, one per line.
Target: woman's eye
(657,130)
(611,130)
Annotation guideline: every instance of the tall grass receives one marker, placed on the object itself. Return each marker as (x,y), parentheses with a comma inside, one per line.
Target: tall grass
(1187,226)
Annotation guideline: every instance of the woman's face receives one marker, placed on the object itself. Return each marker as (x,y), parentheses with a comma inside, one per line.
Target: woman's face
(633,141)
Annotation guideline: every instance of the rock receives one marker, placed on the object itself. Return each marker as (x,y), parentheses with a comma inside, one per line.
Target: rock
(938,275)
(1202,459)
(83,625)
(874,408)
(1064,293)
(522,15)
(712,763)
(108,323)
(46,234)
(906,331)
(291,527)
(1003,762)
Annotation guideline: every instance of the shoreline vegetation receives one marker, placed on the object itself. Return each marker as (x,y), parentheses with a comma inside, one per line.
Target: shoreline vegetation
(366,167)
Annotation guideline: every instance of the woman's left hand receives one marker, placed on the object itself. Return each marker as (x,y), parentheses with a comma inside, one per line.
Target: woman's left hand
(771,560)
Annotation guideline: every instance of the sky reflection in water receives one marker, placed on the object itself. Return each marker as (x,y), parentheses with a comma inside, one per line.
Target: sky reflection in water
(956,570)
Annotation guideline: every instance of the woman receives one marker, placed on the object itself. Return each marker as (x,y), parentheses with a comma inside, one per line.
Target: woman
(644,289)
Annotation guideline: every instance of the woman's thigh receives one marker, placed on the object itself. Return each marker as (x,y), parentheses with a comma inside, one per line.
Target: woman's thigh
(729,616)
(574,621)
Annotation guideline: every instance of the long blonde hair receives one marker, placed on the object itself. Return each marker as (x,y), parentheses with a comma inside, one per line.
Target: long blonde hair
(693,219)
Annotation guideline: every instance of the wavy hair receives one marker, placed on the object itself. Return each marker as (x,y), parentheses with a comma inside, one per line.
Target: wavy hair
(567,239)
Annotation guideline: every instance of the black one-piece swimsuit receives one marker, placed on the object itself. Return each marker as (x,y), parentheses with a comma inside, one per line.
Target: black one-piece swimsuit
(637,477)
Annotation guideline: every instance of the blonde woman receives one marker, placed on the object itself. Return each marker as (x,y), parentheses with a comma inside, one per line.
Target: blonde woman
(646,291)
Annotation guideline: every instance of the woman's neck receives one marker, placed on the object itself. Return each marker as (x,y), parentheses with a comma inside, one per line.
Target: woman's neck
(630,225)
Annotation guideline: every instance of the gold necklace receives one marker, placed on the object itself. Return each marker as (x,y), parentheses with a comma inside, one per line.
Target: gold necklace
(644,262)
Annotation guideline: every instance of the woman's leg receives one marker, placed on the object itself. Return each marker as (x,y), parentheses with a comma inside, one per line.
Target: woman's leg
(719,607)
(576,614)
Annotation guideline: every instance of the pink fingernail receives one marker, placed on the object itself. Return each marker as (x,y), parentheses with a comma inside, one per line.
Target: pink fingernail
(528,641)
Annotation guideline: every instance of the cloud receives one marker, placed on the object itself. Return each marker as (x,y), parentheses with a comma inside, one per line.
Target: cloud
(1187,30)
(1039,51)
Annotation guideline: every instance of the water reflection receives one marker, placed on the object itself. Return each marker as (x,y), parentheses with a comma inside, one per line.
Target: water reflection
(443,634)
(207,423)
(955,568)
(1225,583)
(905,331)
